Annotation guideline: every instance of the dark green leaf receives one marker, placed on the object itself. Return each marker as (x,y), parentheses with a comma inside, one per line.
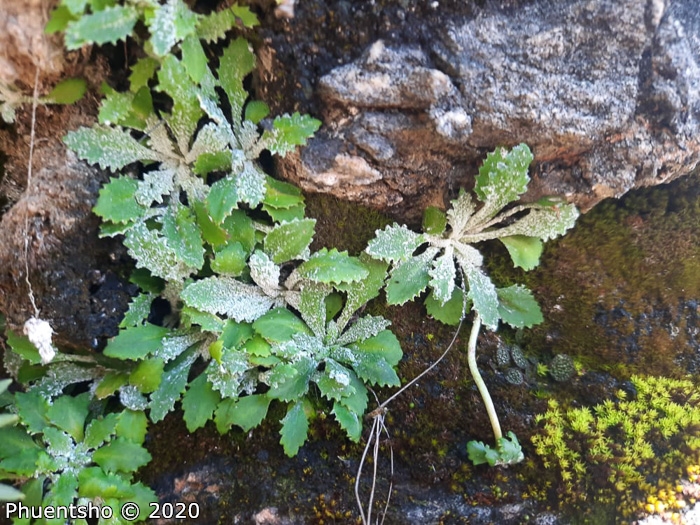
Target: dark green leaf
(449,313)
(247,412)
(14,440)
(69,414)
(121,455)
(199,403)
(172,386)
(93,482)
(290,382)
(518,307)
(21,345)
(222,199)
(182,234)
(348,420)
(132,425)
(147,375)
(295,426)
(409,279)
(384,344)
(116,202)
(32,408)
(110,383)
(100,430)
(208,162)
(434,220)
(279,325)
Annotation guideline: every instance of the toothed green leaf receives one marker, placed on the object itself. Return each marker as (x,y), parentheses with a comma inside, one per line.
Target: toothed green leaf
(121,455)
(199,403)
(136,342)
(290,131)
(170,24)
(295,426)
(288,241)
(394,243)
(236,62)
(451,312)
(332,266)
(348,421)
(109,147)
(518,307)
(524,251)
(67,91)
(101,27)
(410,278)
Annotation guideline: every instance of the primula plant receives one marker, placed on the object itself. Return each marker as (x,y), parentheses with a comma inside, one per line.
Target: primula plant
(443,260)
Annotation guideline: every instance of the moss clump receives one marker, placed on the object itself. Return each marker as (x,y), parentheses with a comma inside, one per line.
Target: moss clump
(616,452)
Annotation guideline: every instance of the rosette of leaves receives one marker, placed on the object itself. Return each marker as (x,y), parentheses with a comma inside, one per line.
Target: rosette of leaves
(290,354)
(66,456)
(444,260)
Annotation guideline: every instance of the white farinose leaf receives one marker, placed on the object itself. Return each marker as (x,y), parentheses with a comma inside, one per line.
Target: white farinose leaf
(171,23)
(174,345)
(394,243)
(484,297)
(250,184)
(467,255)
(60,375)
(545,223)
(225,295)
(462,210)
(363,328)
(40,335)
(265,273)
(212,138)
(151,251)
(154,185)
(442,276)
(109,147)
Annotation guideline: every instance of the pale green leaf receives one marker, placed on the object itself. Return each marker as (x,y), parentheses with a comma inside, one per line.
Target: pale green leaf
(222,199)
(332,266)
(374,369)
(502,179)
(256,110)
(290,382)
(434,221)
(142,72)
(442,276)
(289,131)
(214,26)
(335,382)
(230,260)
(289,240)
(384,345)
(348,421)
(59,19)
(8,493)
(265,273)
(182,235)
(394,243)
(101,27)
(115,107)
(295,426)
(193,58)
(199,403)
(22,346)
(410,278)
(245,15)
(482,293)
(227,296)
(236,62)
(170,24)
(100,430)
(312,307)
(360,292)
(461,211)
(525,251)
(517,307)
(136,342)
(121,455)
(116,202)
(279,194)
(67,91)
(109,147)
(544,223)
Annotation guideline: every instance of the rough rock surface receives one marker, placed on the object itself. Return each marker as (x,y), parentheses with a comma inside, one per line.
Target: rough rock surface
(606,93)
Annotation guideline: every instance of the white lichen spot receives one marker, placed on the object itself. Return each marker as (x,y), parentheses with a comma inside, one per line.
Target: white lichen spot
(40,335)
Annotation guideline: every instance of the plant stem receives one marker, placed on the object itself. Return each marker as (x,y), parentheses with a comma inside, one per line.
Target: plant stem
(471,359)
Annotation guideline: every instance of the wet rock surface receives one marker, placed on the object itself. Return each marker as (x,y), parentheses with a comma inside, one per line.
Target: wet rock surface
(605,92)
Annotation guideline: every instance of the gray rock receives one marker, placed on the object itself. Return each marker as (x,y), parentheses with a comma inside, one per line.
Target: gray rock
(605,92)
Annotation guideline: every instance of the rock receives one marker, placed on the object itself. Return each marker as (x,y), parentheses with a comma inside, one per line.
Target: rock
(605,92)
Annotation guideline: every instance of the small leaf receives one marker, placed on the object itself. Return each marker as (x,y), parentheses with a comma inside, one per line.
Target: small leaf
(332,266)
(518,307)
(236,62)
(250,184)
(147,375)
(451,312)
(222,199)
(442,276)
(290,382)
(110,383)
(295,426)
(69,414)
(384,344)
(256,110)
(348,420)
(279,325)
(109,147)
(280,194)
(136,342)
(116,202)
(410,278)
(290,131)
(58,21)
(8,493)
(182,235)
(363,328)
(312,307)
(171,386)
(208,162)
(335,382)
(93,482)
(245,15)
(199,403)
(231,260)
(101,27)
(142,72)
(171,23)
(21,346)
(374,369)
(289,240)
(394,244)
(545,223)
(67,91)
(214,26)
(525,251)
(434,221)
(193,58)
(121,455)
(100,430)
(360,292)
(32,408)
(132,425)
